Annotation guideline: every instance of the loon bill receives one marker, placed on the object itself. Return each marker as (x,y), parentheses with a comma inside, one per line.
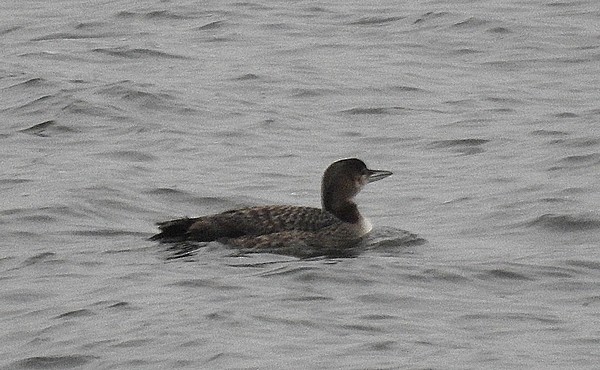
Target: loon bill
(336,225)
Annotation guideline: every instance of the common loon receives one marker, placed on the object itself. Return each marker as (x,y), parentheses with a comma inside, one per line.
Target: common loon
(267,228)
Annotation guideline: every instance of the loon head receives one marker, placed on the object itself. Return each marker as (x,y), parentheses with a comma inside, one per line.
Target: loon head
(342,180)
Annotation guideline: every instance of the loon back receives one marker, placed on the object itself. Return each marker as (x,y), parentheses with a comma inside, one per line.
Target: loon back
(246,221)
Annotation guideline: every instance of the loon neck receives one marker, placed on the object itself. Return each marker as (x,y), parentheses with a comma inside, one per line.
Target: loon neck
(346,211)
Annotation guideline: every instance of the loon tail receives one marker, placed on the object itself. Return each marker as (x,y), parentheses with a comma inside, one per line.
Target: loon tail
(174,230)
(201,229)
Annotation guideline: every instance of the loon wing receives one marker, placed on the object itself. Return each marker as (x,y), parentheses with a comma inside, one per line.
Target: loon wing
(252,221)
(332,239)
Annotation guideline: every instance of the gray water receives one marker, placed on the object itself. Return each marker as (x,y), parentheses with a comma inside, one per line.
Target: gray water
(118,114)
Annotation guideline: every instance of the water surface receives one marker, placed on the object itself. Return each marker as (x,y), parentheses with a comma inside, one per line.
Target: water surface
(118,114)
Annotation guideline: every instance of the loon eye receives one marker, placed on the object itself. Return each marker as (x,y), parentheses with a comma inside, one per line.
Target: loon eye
(361,180)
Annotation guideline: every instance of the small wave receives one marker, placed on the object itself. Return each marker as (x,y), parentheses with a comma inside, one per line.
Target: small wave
(14,181)
(317,9)
(308,298)
(574,190)
(463,146)
(36,83)
(363,328)
(41,105)
(137,53)
(219,39)
(22,212)
(293,322)
(39,258)
(54,55)
(165,191)
(404,88)
(374,110)
(77,313)
(577,161)
(53,362)
(369,21)
(38,218)
(120,305)
(8,30)
(254,5)
(435,274)
(508,65)
(305,251)
(46,128)
(205,283)
(129,155)
(74,36)
(459,143)
(136,94)
(183,250)
(79,106)
(154,15)
(499,30)
(282,270)
(310,93)
(592,265)
(429,16)
(164,14)
(503,274)
(487,318)
(108,233)
(276,26)
(133,343)
(211,26)
(578,142)
(504,99)
(247,77)
(471,22)
(553,200)
(549,133)
(566,223)
(589,158)
(466,51)
(566,115)
(387,238)
(562,4)
(90,25)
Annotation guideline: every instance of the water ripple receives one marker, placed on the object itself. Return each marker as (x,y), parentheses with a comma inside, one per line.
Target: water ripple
(75,36)
(370,21)
(464,146)
(374,110)
(566,222)
(47,128)
(212,26)
(153,15)
(76,313)
(137,53)
(504,274)
(53,362)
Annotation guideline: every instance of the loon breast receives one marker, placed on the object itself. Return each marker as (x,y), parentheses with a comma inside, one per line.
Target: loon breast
(365,226)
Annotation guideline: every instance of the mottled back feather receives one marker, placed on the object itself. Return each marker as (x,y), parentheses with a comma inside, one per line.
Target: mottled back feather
(246,221)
